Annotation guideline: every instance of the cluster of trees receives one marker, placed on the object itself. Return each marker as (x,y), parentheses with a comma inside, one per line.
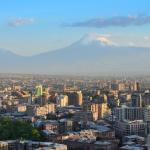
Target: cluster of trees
(18,129)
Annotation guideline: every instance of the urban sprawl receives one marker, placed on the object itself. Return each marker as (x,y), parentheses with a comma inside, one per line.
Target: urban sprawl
(41,112)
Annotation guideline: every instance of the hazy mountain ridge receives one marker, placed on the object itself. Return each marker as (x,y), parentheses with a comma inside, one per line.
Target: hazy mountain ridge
(90,55)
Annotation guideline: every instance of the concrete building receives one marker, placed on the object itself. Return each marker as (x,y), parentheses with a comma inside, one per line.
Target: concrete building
(136,86)
(128,113)
(36,110)
(99,110)
(148,142)
(121,86)
(30,145)
(146,111)
(65,125)
(146,98)
(124,128)
(3,145)
(62,100)
(75,98)
(136,99)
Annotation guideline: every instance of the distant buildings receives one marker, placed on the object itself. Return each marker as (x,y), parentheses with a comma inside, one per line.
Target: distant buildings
(30,145)
(86,139)
(79,113)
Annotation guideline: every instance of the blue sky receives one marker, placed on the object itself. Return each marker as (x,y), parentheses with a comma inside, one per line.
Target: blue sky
(29,27)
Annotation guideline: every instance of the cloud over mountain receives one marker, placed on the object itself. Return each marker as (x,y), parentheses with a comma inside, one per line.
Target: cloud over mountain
(117,21)
(101,39)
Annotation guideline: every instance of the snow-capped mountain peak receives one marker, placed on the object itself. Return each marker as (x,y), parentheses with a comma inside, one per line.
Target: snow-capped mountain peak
(92,38)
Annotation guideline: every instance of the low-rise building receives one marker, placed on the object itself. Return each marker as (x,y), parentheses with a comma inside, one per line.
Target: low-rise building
(36,110)
(124,128)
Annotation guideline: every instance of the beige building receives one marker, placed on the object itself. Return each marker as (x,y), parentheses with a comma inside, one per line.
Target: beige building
(98,110)
(103,110)
(62,100)
(16,108)
(3,145)
(121,86)
(36,110)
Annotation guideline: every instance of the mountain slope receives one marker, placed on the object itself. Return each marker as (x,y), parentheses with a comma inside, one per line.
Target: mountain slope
(90,55)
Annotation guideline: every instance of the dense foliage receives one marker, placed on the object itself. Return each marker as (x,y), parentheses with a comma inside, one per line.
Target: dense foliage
(18,129)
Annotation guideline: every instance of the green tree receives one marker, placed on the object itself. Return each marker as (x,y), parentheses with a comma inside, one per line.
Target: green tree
(17,129)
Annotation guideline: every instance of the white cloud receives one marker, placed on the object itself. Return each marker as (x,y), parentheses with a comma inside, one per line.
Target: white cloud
(146,37)
(20,22)
(117,21)
(132,44)
(103,39)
